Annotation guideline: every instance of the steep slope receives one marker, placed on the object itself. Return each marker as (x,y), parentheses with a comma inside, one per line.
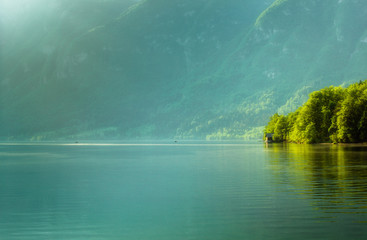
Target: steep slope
(33,96)
(127,76)
(295,47)
(193,69)
(156,51)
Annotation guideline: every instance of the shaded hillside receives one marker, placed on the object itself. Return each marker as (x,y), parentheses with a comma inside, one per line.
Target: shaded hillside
(161,69)
(295,47)
(34,95)
(155,62)
(128,74)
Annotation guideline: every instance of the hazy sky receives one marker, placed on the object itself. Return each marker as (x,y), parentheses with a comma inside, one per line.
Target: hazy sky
(15,11)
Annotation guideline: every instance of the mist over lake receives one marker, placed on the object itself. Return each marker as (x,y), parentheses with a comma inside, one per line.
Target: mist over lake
(146,119)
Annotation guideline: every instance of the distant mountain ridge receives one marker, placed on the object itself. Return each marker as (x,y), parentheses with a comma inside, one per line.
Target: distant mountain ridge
(193,69)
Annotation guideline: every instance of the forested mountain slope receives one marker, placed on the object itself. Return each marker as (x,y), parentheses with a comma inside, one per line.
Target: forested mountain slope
(294,48)
(163,69)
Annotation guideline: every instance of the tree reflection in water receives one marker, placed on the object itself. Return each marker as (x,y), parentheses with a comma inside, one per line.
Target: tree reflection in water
(333,176)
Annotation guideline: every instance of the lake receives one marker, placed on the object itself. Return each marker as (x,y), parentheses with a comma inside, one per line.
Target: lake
(182,191)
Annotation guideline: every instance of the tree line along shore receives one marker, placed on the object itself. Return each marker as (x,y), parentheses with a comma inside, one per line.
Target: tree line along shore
(331,115)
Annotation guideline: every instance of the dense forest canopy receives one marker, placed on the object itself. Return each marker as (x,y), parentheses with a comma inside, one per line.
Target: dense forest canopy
(332,114)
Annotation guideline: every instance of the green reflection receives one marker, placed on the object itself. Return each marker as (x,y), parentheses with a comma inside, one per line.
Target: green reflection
(334,176)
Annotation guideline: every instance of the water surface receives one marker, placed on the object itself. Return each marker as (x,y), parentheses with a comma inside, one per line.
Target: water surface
(182,191)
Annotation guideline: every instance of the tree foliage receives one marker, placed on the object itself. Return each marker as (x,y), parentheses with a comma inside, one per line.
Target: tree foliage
(278,125)
(332,114)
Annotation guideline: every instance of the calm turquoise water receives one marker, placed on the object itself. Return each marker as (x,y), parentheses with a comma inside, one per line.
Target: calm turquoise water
(183,191)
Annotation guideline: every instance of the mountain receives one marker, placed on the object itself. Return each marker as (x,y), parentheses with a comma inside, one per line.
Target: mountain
(296,47)
(163,69)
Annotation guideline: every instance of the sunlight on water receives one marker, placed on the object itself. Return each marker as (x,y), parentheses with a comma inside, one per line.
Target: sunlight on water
(164,143)
(182,191)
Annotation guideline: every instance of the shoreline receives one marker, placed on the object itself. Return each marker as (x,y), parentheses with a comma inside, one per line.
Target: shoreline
(341,144)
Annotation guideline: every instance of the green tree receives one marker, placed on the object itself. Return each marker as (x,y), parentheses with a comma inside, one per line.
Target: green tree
(270,127)
(318,111)
(351,120)
(278,125)
(330,114)
(281,129)
(311,135)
